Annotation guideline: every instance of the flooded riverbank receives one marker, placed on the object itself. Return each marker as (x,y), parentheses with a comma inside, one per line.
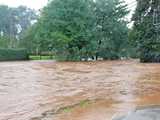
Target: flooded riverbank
(48,90)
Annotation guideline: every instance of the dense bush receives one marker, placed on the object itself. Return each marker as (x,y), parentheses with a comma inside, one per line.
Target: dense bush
(13,54)
(150,57)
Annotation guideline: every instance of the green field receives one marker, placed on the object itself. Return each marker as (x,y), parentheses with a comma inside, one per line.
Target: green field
(38,57)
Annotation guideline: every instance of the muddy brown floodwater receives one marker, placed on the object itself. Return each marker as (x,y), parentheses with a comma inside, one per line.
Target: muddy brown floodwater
(49,90)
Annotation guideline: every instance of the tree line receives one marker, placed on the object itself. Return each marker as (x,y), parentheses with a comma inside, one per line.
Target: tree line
(82,29)
(13,22)
(145,32)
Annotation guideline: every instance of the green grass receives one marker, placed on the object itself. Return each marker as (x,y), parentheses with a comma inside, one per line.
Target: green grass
(38,57)
(82,104)
(67,109)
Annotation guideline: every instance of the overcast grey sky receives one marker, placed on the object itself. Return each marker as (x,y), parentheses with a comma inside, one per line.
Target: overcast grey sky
(37,4)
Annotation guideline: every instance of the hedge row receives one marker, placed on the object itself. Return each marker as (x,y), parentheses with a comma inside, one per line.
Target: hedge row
(13,54)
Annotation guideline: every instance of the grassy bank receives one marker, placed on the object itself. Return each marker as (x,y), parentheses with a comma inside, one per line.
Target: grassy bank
(38,57)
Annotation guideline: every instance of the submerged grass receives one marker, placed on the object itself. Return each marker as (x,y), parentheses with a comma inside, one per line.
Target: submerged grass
(82,104)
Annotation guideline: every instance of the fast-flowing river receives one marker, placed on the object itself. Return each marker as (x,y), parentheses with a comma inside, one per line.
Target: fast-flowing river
(49,90)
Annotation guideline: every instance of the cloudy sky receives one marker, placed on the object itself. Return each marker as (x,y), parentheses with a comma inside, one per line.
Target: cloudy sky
(37,4)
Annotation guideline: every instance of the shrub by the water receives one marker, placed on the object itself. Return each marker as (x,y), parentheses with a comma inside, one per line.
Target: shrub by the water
(150,57)
(13,54)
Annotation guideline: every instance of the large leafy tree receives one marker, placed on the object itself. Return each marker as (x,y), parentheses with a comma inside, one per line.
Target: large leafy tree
(4,21)
(14,21)
(111,28)
(76,29)
(23,18)
(145,33)
(67,25)
(36,39)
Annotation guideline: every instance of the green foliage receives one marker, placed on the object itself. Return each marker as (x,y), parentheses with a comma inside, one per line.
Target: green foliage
(144,34)
(29,41)
(13,54)
(80,29)
(71,27)
(14,21)
(4,42)
(111,28)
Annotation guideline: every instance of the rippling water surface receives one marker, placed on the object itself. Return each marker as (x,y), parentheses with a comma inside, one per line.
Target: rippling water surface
(48,90)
